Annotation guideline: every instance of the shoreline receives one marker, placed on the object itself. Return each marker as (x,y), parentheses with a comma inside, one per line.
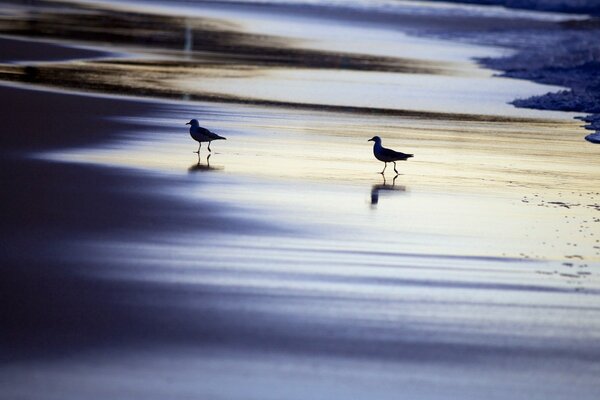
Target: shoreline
(551,35)
(219,53)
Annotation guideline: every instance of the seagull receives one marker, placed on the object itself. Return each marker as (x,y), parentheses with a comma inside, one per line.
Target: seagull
(387,155)
(201,134)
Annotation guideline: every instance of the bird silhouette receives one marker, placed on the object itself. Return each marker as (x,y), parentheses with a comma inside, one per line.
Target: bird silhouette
(387,155)
(201,134)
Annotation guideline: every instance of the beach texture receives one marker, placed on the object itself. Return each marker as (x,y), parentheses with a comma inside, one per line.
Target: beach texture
(282,265)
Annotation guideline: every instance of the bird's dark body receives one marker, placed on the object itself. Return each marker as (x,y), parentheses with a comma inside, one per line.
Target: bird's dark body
(201,134)
(389,155)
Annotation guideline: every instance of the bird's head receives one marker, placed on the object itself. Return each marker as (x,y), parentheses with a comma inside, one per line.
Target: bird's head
(193,122)
(375,139)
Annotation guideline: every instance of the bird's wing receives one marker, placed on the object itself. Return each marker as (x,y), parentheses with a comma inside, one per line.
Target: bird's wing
(404,156)
(203,131)
(392,154)
(209,134)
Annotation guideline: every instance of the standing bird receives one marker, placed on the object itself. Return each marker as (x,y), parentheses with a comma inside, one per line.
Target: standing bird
(201,134)
(387,155)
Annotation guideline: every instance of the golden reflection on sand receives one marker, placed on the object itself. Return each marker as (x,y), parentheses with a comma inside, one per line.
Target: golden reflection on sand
(322,146)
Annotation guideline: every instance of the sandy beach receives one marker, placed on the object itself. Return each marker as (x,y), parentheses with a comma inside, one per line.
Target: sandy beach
(284,266)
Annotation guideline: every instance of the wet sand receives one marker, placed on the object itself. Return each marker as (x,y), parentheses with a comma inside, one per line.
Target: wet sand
(288,268)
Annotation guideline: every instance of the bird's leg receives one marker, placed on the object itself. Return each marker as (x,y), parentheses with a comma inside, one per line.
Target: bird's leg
(199,145)
(384,169)
(395,170)
(209,147)
(208,161)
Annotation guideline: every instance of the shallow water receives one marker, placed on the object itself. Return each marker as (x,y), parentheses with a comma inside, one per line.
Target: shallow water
(478,94)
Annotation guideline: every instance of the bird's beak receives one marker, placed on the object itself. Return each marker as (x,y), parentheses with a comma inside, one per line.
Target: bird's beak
(187,123)
(370,140)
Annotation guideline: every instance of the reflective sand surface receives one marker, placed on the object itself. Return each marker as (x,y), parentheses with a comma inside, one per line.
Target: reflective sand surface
(285,266)
(325,160)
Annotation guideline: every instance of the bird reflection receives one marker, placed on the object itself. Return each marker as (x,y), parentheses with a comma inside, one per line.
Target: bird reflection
(188,43)
(375,189)
(199,166)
